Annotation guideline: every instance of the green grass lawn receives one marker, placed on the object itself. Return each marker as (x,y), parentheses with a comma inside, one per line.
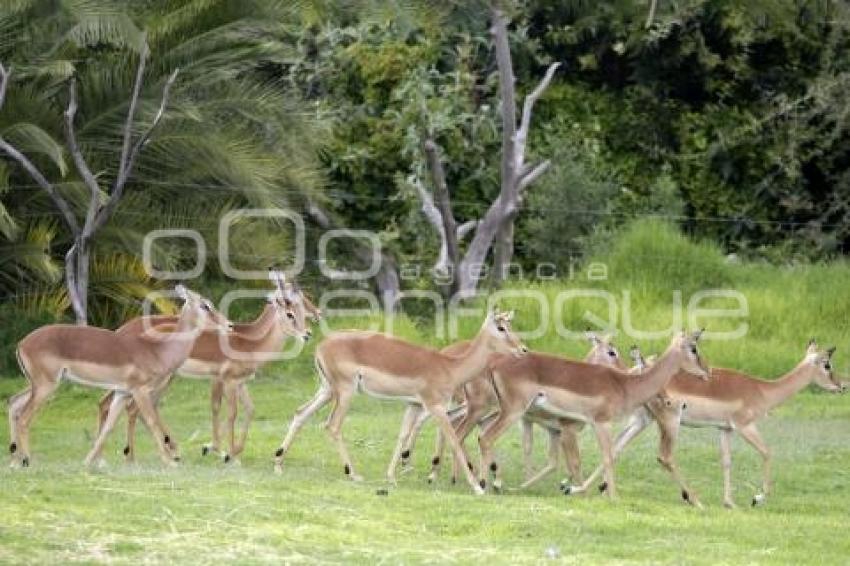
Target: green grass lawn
(206,511)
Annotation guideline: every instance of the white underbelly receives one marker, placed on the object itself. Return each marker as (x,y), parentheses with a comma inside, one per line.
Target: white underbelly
(542,402)
(372,388)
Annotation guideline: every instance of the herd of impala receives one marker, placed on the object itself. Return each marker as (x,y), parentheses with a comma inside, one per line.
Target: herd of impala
(491,381)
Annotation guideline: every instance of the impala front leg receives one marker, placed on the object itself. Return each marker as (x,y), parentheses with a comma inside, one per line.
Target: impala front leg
(334,428)
(216,395)
(147,409)
(603,436)
(486,441)
(551,463)
(726,462)
(528,448)
(247,417)
(442,420)
(751,434)
(232,413)
(117,401)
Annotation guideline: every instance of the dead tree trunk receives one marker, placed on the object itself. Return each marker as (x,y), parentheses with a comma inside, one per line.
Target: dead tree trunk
(102,203)
(496,228)
(387,281)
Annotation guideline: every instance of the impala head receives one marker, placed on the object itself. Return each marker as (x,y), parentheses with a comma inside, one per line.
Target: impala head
(501,337)
(821,363)
(603,351)
(205,316)
(692,362)
(287,300)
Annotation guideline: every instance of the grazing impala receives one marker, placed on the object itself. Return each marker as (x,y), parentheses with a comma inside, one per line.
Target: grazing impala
(579,391)
(131,366)
(229,361)
(729,401)
(480,402)
(387,367)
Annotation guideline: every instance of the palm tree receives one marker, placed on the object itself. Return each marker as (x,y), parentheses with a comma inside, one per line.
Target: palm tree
(231,136)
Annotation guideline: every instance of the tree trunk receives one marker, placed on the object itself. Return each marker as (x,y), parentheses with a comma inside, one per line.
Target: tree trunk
(503,252)
(77,279)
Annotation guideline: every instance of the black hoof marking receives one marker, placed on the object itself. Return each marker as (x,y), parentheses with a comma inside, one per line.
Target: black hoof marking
(454,481)
(178,459)
(13,448)
(126,450)
(483,484)
(435,461)
(25,463)
(278,453)
(347,470)
(755,502)
(205,450)
(469,465)
(167,439)
(382,492)
(603,486)
(405,455)
(226,458)
(493,467)
(686,496)
(568,490)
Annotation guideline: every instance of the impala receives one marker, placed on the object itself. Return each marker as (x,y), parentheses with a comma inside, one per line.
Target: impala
(729,401)
(579,391)
(387,367)
(480,402)
(228,361)
(131,366)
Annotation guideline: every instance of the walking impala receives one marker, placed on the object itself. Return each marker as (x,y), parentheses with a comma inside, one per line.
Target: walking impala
(228,361)
(131,366)
(729,401)
(387,367)
(575,390)
(480,403)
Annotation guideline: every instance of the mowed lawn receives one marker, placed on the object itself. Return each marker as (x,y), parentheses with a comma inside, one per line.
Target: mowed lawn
(207,511)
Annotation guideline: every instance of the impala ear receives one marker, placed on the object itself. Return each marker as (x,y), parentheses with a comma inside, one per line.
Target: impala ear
(591,336)
(830,351)
(812,346)
(270,297)
(698,334)
(509,316)
(634,351)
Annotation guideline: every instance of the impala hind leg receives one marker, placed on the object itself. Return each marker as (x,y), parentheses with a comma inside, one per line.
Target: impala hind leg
(606,447)
(231,396)
(117,402)
(572,454)
(726,462)
(751,434)
(132,421)
(411,416)
(34,401)
(16,403)
(552,461)
(637,424)
(302,415)
(247,417)
(216,395)
(334,428)
(527,442)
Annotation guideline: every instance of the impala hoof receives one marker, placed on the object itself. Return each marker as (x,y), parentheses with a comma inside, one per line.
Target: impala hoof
(226,458)
(567,489)
(126,451)
(730,505)
(383,492)
(205,449)
(13,448)
(497,485)
(603,487)
(25,462)
(758,499)
(278,470)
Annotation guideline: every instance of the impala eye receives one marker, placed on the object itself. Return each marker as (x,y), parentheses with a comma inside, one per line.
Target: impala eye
(612,353)
(827,366)
(290,316)
(694,350)
(205,306)
(500,328)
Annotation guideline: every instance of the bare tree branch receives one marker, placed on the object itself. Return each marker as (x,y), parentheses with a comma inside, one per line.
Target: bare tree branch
(507,93)
(79,161)
(650,17)
(534,174)
(527,109)
(131,112)
(443,200)
(124,173)
(4,81)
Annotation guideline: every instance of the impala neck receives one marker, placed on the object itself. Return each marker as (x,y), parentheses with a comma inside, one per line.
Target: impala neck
(642,388)
(778,391)
(266,322)
(174,350)
(472,362)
